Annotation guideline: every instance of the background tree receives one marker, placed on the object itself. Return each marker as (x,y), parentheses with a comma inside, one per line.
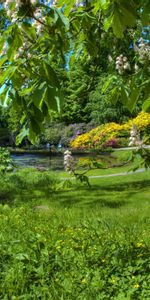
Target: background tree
(4,131)
(35,35)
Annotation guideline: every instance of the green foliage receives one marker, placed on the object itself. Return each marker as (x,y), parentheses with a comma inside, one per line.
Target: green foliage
(146,105)
(13,119)
(141,157)
(32,83)
(56,133)
(6,163)
(76,95)
(33,46)
(4,136)
(105,107)
(52,133)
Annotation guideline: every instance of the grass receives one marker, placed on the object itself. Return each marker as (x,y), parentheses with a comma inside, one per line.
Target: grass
(84,244)
(119,159)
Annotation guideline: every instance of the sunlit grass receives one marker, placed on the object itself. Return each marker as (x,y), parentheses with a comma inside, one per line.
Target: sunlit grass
(107,196)
(74,242)
(119,160)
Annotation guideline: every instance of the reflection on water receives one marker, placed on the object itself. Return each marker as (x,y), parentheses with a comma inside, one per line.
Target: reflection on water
(53,162)
(38,161)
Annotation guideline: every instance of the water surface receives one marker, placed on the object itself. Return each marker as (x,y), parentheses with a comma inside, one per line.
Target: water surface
(38,161)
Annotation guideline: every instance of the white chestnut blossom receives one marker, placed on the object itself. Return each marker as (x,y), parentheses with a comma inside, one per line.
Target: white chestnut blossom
(122,64)
(135,139)
(68,161)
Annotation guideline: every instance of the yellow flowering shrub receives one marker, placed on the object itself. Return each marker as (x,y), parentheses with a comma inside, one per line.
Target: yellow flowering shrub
(141,121)
(110,134)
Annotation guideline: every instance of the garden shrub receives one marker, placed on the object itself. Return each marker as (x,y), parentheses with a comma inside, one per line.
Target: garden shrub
(6,163)
(52,134)
(111,134)
(61,134)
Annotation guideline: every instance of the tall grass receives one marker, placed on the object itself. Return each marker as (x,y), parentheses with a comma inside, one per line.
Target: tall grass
(74,243)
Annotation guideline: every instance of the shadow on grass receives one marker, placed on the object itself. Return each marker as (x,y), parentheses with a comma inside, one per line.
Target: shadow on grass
(118,186)
(105,194)
(109,195)
(91,202)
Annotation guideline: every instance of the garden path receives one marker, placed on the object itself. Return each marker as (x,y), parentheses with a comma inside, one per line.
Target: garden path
(118,174)
(113,175)
(131,148)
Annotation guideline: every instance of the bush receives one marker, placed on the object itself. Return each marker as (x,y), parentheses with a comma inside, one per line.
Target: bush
(60,134)
(6,163)
(52,134)
(111,134)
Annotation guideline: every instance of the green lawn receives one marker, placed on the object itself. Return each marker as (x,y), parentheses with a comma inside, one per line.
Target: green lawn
(84,244)
(119,160)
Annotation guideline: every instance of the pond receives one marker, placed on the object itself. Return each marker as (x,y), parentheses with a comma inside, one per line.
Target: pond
(47,161)
(38,161)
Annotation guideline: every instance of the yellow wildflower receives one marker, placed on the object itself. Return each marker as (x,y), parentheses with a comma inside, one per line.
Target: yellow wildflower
(139,245)
(136,286)
(83,280)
